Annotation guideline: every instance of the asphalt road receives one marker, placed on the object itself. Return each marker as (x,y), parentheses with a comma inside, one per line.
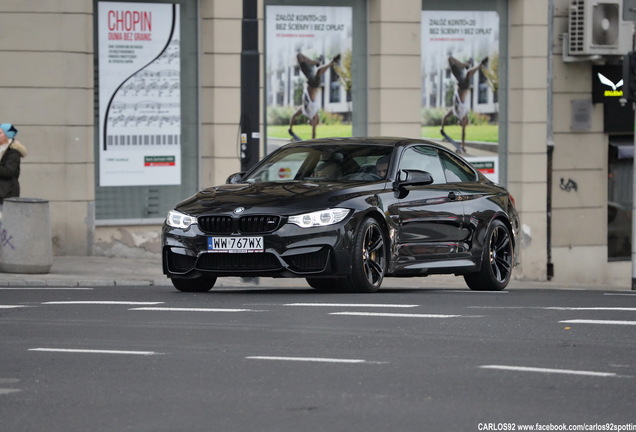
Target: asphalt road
(292,359)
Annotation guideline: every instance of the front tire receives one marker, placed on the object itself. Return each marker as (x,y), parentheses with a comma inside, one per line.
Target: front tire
(496,266)
(369,259)
(200,284)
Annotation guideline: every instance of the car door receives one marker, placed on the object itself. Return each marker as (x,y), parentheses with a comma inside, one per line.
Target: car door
(430,216)
(479,199)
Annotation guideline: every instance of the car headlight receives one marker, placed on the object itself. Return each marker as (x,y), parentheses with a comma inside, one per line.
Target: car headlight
(177,219)
(319,218)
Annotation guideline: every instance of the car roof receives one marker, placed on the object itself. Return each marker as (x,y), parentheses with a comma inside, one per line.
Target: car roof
(378,140)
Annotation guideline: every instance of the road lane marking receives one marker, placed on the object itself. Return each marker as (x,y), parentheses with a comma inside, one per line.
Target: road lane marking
(620,309)
(11,306)
(560,308)
(8,381)
(468,291)
(45,289)
(549,371)
(371,305)
(608,322)
(108,302)
(170,309)
(397,315)
(95,351)
(309,359)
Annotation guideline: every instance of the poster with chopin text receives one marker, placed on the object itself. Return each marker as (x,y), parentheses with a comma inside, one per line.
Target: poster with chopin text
(139,94)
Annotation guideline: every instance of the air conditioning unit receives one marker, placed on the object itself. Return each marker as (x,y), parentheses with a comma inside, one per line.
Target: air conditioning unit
(596,28)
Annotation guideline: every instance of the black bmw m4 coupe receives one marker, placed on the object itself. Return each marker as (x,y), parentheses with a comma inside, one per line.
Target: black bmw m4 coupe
(345,213)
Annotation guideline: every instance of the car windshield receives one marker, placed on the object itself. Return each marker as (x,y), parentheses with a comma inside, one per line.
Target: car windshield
(323,163)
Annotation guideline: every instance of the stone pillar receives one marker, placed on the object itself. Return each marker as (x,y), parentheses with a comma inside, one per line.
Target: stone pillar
(528,130)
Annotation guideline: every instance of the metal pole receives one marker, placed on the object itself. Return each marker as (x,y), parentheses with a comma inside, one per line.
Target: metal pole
(250,101)
(629,14)
(634,208)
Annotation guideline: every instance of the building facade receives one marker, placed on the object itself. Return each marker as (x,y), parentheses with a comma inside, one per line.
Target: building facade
(77,84)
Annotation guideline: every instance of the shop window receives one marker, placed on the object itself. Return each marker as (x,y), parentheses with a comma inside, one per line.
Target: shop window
(146,152)
(325,45)
(619,205)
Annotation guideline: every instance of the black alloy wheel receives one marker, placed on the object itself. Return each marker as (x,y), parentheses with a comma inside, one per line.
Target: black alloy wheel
(496,268)
(369,264)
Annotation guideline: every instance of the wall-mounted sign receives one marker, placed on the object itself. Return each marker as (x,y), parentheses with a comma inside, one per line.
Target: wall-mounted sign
(139,94)
(308,64)
(581,114)
(607,83)
(487,165)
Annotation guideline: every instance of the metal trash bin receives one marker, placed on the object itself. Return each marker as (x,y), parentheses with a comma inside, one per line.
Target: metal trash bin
(25,236)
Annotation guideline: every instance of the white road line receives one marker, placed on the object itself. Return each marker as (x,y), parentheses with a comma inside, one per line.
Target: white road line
(549,371)
(397,315)
(107,302)
(8,390)
(307,359)
(169,309)
(623,309)
(370,305)
(11,306)
(95,351)
(468,291)
(44,289)
(561,308)
(588,321)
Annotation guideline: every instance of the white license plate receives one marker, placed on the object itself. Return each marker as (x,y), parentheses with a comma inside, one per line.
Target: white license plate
(235,244)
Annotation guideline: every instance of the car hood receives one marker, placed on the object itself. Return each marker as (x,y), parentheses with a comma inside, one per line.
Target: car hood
(273,197)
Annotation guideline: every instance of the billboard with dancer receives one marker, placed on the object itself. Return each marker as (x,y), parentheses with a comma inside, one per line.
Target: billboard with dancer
(308,72)
(460,77)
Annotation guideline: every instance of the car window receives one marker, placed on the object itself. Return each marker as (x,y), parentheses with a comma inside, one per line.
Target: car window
(322,163)
(423,158)
(456,170)
(285,168)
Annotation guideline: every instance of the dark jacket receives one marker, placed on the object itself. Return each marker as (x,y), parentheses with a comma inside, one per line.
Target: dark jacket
(10,170)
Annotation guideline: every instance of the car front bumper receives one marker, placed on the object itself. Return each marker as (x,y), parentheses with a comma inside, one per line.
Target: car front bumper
(290,251)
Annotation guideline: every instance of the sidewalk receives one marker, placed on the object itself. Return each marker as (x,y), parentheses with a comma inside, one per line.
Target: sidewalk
(94,271)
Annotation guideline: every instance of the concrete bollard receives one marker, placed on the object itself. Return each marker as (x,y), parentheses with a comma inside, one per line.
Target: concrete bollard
(25,236)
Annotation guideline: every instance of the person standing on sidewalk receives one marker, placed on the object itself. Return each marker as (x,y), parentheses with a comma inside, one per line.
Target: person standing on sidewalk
(11,152)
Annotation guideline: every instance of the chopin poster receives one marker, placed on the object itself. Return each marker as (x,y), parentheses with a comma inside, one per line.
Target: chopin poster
(460,77)
(139,94)
(308,72)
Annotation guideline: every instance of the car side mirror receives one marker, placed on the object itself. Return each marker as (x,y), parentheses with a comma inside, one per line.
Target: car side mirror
(235,178)
(411,177)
